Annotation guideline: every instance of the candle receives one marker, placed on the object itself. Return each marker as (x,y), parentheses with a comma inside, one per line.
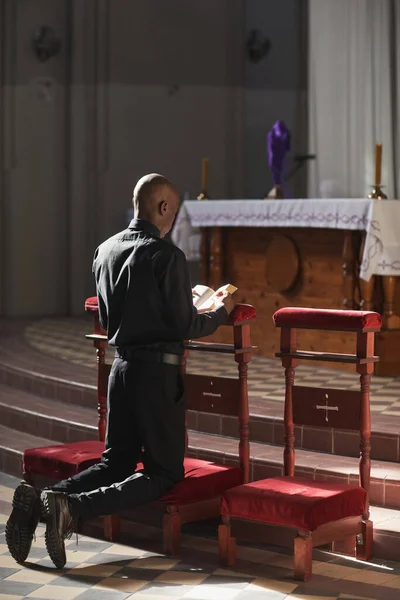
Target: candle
(378,163)
(204,174)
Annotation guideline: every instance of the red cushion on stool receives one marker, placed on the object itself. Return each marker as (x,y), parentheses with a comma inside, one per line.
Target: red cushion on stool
(203,480)
(64,460)
(92,304)
(327,319)
(294,502)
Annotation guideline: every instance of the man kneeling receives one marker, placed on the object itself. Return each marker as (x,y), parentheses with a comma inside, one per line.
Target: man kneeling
(145,304)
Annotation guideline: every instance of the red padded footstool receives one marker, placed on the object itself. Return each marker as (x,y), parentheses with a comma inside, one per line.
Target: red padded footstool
(60,461)
(321,511)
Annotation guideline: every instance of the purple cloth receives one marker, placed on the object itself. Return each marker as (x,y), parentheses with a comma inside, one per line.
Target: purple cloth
(278,142)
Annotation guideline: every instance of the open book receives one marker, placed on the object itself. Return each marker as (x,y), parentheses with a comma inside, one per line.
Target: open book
(204,297)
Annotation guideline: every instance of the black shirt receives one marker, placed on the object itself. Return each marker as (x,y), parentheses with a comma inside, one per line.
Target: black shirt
(145,294)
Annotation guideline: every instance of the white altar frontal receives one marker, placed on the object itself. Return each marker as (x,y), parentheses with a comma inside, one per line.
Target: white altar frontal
(380,219)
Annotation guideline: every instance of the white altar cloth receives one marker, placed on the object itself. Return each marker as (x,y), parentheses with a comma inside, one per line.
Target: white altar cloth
(379,218)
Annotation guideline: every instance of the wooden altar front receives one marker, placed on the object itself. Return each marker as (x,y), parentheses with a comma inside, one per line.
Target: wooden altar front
(275,267)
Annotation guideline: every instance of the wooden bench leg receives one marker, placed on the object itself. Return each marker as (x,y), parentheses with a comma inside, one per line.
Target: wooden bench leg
(303,558)
(365,547)
(346,546)
(111,527)
(172,533)
(226,545)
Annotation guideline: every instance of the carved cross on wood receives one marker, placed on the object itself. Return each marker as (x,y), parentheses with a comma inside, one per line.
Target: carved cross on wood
(211,394)
(326,408)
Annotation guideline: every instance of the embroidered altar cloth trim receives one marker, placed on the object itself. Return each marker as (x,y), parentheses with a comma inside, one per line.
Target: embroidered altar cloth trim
(380,219)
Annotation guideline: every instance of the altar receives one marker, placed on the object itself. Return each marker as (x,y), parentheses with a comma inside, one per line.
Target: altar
(336,253)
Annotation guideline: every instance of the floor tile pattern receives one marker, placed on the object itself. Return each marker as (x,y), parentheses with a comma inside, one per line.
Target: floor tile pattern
(100,570)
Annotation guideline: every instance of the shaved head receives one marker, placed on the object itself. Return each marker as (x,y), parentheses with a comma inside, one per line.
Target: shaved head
(155,199)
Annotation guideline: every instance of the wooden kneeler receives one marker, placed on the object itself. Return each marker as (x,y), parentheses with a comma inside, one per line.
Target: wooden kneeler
(322,512)
(198,496)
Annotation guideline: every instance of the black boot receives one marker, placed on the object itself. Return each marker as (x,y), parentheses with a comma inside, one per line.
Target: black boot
(59,524)
(24,518)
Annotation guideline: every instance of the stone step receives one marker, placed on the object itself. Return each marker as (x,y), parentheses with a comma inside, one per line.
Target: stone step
(16,354)
(50,419)
(38,381)
(48,380)
(48,376)
(266,426)
(13,443)
(386,533)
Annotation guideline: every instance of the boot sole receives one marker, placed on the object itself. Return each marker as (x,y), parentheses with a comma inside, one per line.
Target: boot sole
(54,545)
(21,525)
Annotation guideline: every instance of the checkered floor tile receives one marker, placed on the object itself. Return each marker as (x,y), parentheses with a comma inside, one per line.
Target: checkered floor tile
(99,570)
(65,339)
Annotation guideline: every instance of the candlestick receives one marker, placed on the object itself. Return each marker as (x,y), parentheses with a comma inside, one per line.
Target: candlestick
(378,164)
(276,193)
(204,180)
(377,193)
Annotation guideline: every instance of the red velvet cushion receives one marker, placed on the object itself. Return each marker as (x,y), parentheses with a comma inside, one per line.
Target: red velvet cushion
(203,480)
(294,502)
(64,460)
(242,312)
(327,319)
(92,304)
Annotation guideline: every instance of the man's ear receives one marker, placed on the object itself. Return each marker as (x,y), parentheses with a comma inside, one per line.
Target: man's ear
(163,207)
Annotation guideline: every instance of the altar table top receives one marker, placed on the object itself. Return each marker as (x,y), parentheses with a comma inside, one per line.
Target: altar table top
(380,219)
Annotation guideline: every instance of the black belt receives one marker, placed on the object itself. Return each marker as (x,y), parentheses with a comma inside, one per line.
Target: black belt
(148,355)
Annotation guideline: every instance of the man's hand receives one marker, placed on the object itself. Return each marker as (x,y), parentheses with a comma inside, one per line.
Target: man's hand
(226,299)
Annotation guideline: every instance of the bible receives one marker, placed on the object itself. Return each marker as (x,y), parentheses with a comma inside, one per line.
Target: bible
(204,297)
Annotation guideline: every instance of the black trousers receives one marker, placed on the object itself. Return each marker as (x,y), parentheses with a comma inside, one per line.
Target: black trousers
(146,423)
